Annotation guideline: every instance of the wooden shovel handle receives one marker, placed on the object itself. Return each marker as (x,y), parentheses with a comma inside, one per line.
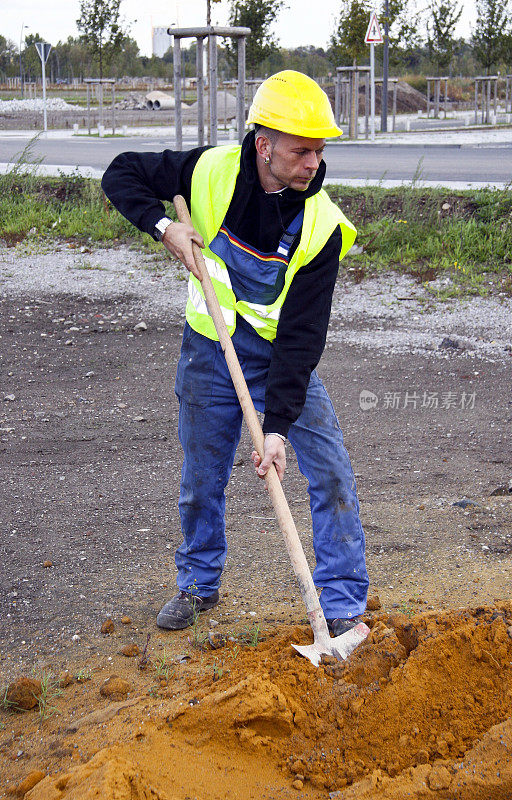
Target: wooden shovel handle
(284,517)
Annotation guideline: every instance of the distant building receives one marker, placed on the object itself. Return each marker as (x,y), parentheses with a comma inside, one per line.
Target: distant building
(161,42)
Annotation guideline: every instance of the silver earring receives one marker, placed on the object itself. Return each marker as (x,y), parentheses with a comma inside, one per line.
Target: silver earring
(267,160)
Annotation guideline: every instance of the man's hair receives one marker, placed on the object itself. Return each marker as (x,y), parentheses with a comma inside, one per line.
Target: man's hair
(271,134)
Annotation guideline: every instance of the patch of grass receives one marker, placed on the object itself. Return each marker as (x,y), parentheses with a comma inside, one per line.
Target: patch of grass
(164,667)
(50,690)
(83,675)
(425,233)
(466,236)
(5,704)
(251,635)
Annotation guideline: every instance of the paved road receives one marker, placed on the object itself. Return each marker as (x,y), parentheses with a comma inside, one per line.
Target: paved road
(443,163)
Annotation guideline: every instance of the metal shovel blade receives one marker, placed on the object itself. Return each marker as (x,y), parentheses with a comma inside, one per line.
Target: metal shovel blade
(340,646)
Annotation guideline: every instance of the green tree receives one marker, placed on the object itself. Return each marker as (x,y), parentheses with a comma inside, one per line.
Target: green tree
(488,39)
(8,57)
(259,16)
(31,63)
(347,41)
(404,38)
(101,30)
(441,24)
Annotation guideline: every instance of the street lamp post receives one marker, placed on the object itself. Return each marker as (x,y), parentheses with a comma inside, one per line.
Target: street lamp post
(21,77)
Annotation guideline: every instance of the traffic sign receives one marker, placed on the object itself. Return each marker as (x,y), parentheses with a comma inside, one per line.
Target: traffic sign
(43,49)
(373,34)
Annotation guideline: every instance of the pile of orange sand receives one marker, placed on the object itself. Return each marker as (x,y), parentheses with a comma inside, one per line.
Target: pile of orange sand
(422,709)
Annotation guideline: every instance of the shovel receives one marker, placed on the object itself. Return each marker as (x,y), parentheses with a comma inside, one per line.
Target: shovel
(341,646)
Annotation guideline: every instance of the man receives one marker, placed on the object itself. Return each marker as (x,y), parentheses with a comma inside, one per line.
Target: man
(272,241)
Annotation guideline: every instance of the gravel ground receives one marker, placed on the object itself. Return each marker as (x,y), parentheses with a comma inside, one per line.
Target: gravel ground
(89,459)
(391,313)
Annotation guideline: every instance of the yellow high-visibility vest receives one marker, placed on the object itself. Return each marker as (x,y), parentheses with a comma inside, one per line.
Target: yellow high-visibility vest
(213,185)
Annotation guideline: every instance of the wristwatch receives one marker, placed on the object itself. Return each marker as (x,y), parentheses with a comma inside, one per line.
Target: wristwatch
(161,227)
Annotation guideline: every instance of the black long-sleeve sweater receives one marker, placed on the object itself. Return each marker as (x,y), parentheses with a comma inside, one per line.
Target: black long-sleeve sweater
(136,183)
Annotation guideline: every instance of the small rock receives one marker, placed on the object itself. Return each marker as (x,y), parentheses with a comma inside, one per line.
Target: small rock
(22,694)
(446,207)
(65,679)
(502,490)
(421,757)
(356,250)
(299,777)
(9,398)
(464,503)
(68,342)
(121,405)
(126,620)
(108,626)
(115,688)
(130,650)
(213,623)
(373,603)
(90,374)
(140,326)
(217,640)
(298,785)
(76,637)
(448,342)
(439,778)
(47,564)
(28,783)
(140,418)
(509,631)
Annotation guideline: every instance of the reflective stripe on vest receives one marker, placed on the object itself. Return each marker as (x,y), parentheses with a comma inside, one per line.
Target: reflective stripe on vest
(213,185)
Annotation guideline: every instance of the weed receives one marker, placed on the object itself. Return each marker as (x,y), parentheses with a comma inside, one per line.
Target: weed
(250,635)
(5,704)
(199,636)
(49,691)
(163,666)
(144,659)
(218,668)
(84,674)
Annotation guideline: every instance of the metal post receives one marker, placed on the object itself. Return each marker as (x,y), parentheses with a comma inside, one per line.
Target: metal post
(395,88)
(100,87)
(385,71)
(437,92)
(113,109)
(43,72)
(445,98)
(476,101)
(488,102)
(212,48)
(200,91)
(240,90)
(428,98)
(356,101)
(337,99)
(366,104)
(495,105)
(88,108)
(177,94)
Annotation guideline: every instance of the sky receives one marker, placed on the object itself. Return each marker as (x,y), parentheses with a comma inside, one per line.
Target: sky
(303,22)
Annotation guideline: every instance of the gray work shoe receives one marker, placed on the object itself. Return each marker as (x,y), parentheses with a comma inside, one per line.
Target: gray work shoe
(339,626)
(182,609)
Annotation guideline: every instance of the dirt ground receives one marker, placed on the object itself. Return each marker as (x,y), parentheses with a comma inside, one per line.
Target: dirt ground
(90,468)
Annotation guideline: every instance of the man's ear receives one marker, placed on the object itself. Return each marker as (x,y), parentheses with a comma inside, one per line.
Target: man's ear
(263,146)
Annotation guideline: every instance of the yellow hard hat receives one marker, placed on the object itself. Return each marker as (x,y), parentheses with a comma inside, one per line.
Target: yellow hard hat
(292,102)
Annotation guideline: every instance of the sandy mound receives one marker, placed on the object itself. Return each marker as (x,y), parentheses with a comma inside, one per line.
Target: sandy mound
(421,709)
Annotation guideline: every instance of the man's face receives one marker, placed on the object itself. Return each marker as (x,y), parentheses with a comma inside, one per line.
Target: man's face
(294,161)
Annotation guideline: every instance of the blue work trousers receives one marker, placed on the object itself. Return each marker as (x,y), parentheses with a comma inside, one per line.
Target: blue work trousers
(210,420)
